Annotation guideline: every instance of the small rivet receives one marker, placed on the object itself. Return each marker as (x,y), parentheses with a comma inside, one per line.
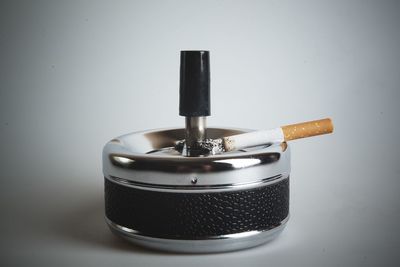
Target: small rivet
(194,180)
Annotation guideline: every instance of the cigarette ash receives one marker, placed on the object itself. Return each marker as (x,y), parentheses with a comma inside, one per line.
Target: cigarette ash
(202,148)
(213,146)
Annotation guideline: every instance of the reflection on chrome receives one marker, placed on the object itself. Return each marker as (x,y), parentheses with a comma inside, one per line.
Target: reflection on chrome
(243,234)
(123,160)
(240,163)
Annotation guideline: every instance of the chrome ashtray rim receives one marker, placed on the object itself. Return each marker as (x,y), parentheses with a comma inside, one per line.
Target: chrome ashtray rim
(125,160)
(212,244)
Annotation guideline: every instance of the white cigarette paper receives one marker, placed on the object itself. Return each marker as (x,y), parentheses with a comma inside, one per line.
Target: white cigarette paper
(255,138)
(281,134)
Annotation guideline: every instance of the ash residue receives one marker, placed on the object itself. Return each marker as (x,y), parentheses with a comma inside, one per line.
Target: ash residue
(213,146)
(180,145)
(202,148)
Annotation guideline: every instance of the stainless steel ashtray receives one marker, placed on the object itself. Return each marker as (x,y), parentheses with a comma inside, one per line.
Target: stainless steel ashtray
(199,189)
(181,190)
(158,198)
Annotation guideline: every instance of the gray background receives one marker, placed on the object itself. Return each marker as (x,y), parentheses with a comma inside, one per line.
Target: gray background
(74,74)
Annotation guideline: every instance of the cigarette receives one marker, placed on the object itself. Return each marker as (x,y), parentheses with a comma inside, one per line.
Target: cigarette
(281,134)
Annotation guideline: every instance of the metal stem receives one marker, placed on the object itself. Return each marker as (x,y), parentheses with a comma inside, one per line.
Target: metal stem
(195,132)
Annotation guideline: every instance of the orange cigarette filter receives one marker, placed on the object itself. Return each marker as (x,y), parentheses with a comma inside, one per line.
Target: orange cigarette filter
(307,129)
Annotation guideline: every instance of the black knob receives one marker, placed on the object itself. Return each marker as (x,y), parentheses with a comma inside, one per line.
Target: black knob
(194,86)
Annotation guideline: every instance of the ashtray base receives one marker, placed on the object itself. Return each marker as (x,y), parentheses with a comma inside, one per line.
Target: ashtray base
(215,244)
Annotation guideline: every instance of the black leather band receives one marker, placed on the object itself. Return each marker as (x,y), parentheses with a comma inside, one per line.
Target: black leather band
(197,215)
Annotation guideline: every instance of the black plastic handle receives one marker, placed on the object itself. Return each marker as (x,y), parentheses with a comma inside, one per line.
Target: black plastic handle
(194,93)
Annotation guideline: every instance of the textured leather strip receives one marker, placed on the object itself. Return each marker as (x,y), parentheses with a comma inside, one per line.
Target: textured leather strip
(197,215)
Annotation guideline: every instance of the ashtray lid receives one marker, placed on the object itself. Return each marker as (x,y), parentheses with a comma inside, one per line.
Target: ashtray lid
(148,159)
